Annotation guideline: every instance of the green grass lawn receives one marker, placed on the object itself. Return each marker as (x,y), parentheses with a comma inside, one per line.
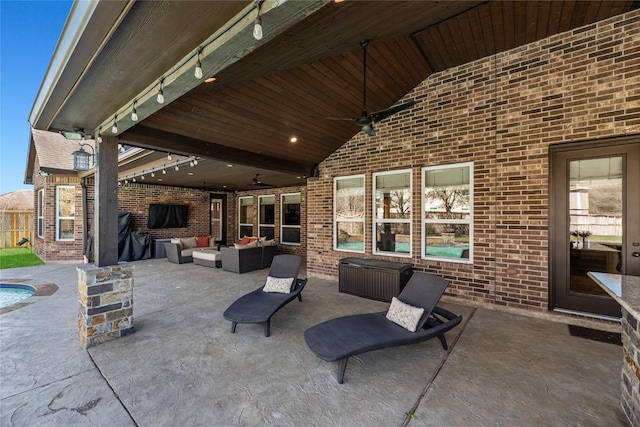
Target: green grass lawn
(18,257)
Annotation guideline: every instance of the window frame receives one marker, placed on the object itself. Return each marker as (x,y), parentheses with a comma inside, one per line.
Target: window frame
(335,218)
(282,216)
(243,224)
(65,218)
(424,221)
(375,221)
(40,214)
(272,226)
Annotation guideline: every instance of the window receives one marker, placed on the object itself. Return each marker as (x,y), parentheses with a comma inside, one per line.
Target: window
(348,213)
(246,216)
(290,219)
(65,212)
(40,213)
(447,220)
(392,215)
(267,217)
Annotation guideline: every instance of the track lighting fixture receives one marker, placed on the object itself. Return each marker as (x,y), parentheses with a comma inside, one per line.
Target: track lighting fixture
(160,96)
(198,71)
(114,128)
(134,113)
(257,26)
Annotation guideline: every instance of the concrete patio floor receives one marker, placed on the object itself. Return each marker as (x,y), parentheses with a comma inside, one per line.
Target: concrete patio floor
(183,366)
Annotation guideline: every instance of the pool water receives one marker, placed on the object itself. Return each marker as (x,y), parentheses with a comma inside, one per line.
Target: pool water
(11,294)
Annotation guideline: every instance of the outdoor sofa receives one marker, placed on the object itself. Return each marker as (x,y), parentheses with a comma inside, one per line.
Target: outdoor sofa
(253,256)
(180,250)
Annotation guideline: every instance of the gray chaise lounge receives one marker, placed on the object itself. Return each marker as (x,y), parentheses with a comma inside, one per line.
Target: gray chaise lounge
(338,339)
(259,306)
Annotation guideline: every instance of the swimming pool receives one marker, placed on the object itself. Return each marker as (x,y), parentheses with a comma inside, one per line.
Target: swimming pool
(11,294)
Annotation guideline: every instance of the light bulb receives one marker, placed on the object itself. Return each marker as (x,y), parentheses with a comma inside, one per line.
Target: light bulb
(191,163)
(160,97)
(153,174)
(134,179)
(164,171)
(134,115)
(257,29)
(142,177)
(198,71)
(99,139)
(177,167)
(195,161)
(168,156)
(114,128)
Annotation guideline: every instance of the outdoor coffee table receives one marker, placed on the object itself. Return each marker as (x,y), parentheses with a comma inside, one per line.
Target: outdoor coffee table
(207,257)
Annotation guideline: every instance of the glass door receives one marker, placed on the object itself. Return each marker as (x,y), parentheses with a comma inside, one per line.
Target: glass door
(595,221)
(217,220)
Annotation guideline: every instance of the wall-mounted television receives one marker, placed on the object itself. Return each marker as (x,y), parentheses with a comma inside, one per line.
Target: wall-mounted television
(167,216)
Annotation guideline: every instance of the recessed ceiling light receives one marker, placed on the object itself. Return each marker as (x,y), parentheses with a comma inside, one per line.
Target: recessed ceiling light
(160,179)
(229,165)
(293,139)
(224,186)
(190,173)
(210,79)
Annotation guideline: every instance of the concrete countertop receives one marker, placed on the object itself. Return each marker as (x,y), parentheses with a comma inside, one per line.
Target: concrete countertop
(624,289)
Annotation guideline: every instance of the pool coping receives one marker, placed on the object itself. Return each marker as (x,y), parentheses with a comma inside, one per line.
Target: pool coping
(41,290)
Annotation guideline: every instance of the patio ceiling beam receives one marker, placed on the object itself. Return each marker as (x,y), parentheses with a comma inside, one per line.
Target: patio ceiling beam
(154,139)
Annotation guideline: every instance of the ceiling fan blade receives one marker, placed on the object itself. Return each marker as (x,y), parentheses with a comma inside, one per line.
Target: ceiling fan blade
(331,118)
(383,114)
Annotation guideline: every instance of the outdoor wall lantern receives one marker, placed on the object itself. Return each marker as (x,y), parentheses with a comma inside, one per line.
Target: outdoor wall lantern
(81,158)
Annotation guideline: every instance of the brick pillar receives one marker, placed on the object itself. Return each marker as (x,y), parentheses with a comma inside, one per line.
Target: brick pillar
(105,297)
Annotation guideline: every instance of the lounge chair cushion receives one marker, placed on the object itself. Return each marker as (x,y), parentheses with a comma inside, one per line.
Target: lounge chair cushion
(404,315)
(278,284)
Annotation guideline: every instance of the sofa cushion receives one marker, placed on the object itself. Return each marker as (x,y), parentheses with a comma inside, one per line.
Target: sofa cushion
(177,241)
(202,242)
(189,242)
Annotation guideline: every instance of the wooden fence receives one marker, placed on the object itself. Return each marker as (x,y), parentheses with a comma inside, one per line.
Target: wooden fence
(15,226)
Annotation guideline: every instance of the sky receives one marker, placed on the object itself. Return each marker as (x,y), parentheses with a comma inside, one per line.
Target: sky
(29,32)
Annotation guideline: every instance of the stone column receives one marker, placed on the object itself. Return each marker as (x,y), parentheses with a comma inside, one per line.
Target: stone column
(630,367)
(105,297)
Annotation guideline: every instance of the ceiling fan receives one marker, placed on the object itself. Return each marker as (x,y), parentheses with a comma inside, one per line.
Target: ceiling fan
(365,120)
(259,183)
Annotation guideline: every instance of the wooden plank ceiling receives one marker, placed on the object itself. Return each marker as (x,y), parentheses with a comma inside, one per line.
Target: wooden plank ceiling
(314,71)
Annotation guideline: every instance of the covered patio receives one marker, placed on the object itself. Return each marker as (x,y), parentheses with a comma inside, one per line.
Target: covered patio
(182,366)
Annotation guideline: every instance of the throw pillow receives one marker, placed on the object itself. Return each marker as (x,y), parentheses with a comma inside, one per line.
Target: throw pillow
(202,242)
(178,241)
(404,315)
(278,284)
(189,242)
(244,240)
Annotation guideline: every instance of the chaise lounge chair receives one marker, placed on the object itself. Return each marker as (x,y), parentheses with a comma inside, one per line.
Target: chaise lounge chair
(260,305)
(338,339)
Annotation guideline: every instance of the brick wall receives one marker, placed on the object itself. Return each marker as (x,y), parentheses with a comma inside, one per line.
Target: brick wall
(501,112)
(48,248)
